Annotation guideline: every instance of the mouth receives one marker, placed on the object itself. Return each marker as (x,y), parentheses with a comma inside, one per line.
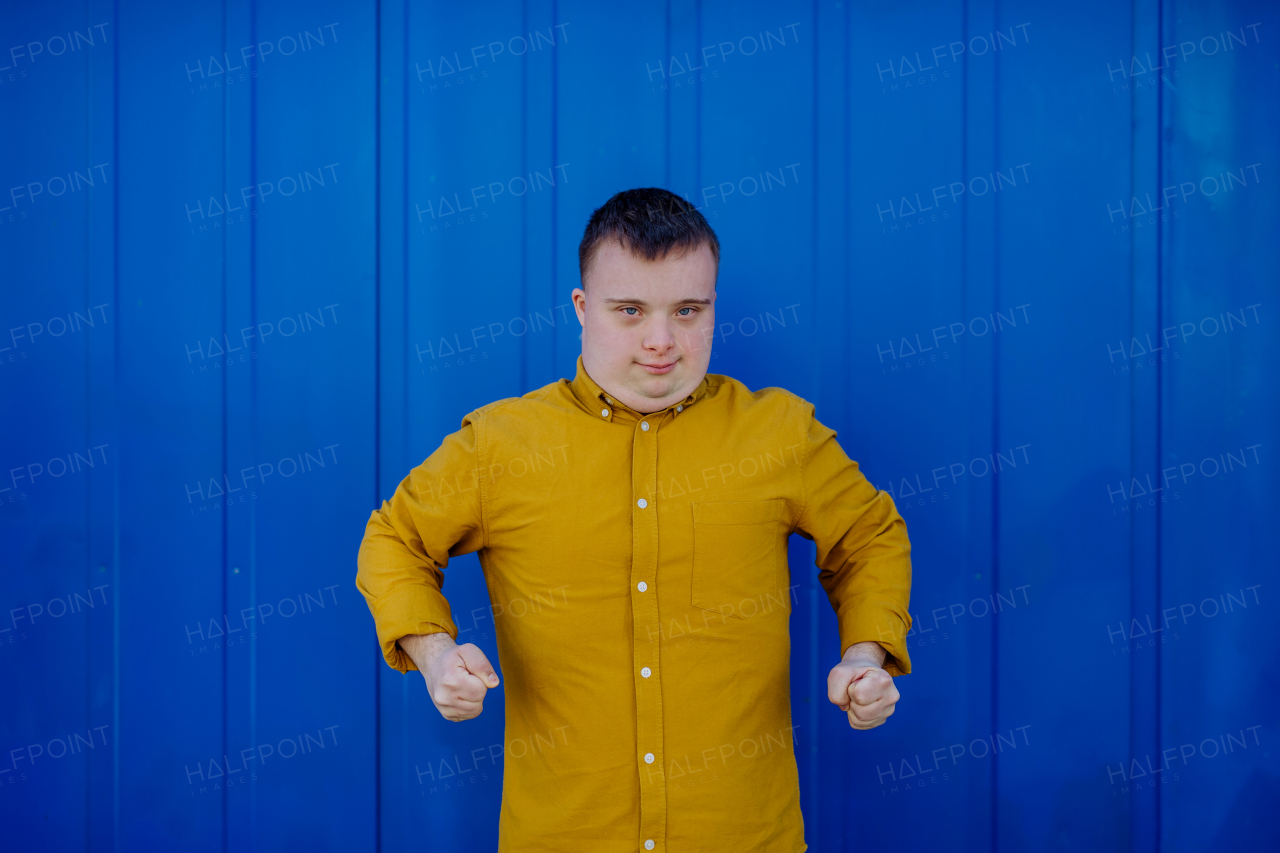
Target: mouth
(658,369)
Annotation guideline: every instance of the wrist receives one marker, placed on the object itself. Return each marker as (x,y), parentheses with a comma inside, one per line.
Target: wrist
(865,654)
(424,648)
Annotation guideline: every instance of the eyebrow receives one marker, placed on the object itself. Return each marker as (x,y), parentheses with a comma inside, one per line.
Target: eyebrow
(646,304)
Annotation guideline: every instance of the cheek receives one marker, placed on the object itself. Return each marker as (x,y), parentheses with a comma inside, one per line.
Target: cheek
(607,329)
(697,337)
(613,338)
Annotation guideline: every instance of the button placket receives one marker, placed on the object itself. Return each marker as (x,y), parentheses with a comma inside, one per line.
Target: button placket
(646,629)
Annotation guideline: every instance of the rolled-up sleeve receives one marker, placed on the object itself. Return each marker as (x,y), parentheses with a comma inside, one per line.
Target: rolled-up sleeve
(436,513)
(863,551)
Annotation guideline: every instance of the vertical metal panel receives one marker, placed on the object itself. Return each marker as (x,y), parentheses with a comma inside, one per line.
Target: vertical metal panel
(1219,521)
(1064,555)
(172,281)
(102,661)
(911,387)
(813,653)
(1146,415)
(313,403)
(47,369)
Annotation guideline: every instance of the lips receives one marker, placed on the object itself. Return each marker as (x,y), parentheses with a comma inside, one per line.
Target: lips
(658,369)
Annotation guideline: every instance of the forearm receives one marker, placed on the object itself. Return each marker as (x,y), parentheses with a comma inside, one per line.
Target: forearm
(423,648)
(862,550)
(872,654)
(401,583)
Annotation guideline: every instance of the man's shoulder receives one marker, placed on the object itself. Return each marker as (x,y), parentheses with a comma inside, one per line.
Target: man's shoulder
(770,401)
(553,395)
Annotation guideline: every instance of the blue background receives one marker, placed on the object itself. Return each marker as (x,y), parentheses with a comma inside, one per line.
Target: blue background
(1102,314)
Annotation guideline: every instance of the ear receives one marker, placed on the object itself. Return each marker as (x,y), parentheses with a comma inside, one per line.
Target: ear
(580,305)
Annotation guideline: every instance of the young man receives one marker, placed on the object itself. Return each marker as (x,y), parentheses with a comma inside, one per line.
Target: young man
(637,519)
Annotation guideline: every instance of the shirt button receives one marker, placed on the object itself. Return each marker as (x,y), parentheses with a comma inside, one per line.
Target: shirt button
(642,503)
(642,586)
(679,408)
(648,759)
(604,413)
(644,425)
(646,672)
(648,845)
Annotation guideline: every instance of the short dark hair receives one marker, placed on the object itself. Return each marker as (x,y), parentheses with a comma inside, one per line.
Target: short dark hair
(649,222)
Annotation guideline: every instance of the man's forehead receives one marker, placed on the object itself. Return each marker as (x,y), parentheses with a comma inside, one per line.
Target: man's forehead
(631,277)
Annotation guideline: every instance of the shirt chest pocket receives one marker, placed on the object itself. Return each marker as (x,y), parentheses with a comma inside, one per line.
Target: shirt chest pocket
(736,553)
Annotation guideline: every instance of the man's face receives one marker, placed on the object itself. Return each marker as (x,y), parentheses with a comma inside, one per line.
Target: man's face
(647,325)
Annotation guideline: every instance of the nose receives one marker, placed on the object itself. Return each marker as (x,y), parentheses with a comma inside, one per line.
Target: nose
(658,338)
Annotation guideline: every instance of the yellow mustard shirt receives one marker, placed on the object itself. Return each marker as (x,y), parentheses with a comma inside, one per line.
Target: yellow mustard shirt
(637,568)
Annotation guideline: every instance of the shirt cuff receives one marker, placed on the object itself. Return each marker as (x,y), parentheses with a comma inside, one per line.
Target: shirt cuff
(405,610)
(888,628)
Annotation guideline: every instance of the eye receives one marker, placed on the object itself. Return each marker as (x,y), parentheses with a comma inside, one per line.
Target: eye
(632,310)
(685,312)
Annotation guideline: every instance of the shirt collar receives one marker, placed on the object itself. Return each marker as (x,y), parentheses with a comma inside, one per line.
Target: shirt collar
(596,400)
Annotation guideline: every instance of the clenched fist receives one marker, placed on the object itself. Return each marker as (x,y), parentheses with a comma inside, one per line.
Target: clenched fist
(457,677)
(859,686)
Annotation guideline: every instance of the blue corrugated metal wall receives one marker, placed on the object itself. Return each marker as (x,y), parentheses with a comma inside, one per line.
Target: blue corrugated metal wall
(260,257)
